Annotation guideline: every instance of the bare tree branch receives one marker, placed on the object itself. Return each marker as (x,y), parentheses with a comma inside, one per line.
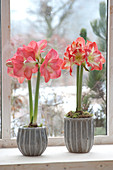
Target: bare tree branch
(65,14)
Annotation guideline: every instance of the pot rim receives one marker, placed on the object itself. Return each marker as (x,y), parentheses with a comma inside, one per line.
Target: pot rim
(22,127)
(88,118)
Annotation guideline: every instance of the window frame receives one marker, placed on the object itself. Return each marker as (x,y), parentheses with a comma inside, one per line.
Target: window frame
(6,140)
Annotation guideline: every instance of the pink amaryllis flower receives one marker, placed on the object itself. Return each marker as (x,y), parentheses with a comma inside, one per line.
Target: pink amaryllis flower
(94,58)
(26,60)
(25,52)
(75,54)
(24,67)
(19,66)
(34,49)
(78,51)
(51,67)
(38,48)
(10,70)
(68,60)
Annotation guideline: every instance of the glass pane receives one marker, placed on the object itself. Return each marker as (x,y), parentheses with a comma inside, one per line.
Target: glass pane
(60,22)
(0,78)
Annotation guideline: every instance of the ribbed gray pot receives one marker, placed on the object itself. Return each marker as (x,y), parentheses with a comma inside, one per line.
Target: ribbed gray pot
(32,141)
(79,134)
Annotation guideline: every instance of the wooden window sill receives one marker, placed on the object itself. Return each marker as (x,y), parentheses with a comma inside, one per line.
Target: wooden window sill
(58,158)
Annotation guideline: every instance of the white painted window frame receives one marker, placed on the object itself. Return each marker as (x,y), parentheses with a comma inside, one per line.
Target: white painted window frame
(6,140)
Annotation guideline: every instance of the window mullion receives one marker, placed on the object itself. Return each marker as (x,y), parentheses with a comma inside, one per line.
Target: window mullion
(110,72)
(6,83)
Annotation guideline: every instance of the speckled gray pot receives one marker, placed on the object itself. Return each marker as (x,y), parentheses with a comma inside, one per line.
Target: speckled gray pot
(32,141)
(79,134)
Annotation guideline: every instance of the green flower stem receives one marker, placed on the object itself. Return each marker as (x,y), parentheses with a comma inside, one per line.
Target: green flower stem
(80,88)
(30,100)
(36,98)
(77,83)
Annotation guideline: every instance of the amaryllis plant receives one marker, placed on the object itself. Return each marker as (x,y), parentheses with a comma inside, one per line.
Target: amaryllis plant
(84,56)
(28,60)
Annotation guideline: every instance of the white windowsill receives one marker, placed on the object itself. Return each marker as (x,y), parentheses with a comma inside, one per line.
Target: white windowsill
(58,158)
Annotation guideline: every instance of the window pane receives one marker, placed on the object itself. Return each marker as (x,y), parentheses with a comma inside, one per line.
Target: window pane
(60,22)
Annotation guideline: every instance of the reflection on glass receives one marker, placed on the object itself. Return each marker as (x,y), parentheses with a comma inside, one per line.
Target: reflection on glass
(60,22)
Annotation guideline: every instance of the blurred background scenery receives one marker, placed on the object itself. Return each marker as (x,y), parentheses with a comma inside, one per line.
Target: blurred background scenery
(59,22)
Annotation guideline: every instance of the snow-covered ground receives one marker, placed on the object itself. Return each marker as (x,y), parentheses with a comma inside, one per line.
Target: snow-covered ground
(54,103)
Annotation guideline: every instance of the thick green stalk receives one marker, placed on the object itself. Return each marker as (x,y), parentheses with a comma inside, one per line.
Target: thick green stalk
(77,90)
(36,98)
(80,88)
(30,101)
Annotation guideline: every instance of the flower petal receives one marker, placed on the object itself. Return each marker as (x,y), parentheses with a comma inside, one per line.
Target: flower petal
(94,57)
(20,79)
(26,52)
(33,45)
(46,76)
(51,67)
(81,41)
(42,44)
(28,73)
(52,54)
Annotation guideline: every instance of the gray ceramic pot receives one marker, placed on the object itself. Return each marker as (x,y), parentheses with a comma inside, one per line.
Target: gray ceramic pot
(79,134)
(32,141)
